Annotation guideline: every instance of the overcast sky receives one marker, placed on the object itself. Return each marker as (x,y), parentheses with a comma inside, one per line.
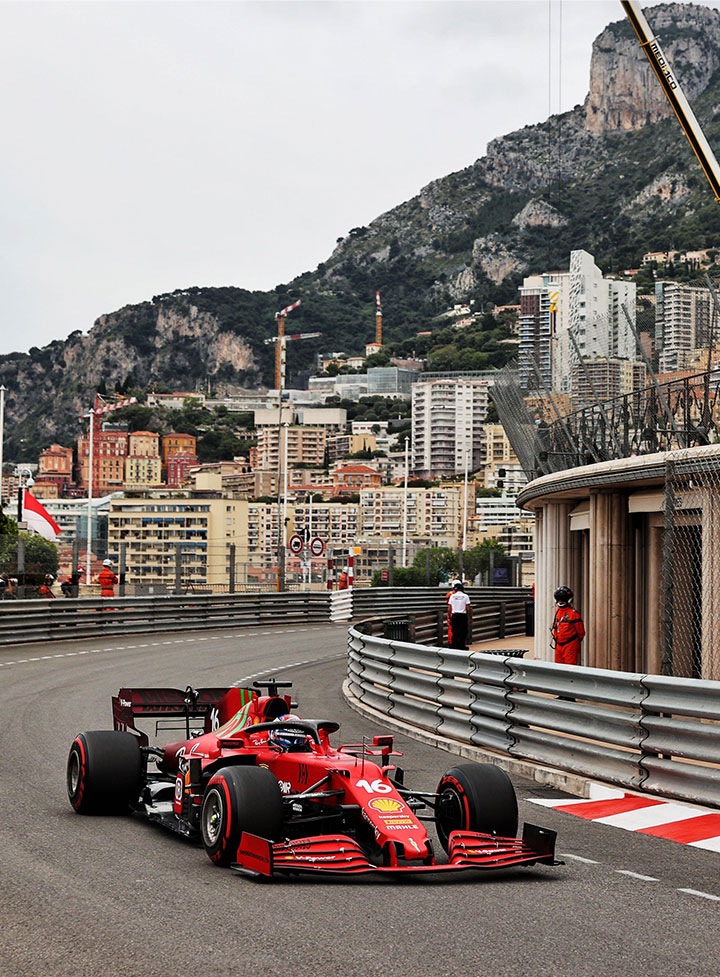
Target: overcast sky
(155,145)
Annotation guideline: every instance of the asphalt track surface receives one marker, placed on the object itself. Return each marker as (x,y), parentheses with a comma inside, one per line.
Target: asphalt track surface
(118,897)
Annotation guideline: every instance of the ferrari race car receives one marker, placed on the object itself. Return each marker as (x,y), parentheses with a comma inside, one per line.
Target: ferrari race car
(267,794)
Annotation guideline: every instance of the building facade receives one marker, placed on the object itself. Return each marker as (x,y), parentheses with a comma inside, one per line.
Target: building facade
(447,420)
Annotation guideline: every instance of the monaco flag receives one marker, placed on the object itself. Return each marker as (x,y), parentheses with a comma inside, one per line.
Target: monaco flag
(38,518)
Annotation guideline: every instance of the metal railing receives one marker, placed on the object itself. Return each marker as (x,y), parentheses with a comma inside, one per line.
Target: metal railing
(648,732)
(498,612)
(32,620)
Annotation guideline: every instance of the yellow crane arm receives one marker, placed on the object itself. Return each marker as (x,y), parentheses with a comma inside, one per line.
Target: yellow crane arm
(675,95)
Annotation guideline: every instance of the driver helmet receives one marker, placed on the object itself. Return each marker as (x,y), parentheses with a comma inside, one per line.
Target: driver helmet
(49,578)
(107,563)
(287,740)
(563,595)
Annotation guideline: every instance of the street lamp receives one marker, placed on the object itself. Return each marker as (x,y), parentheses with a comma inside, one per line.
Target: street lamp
(25,480)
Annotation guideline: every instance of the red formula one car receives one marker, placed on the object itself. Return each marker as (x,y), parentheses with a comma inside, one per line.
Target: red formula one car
(267,794)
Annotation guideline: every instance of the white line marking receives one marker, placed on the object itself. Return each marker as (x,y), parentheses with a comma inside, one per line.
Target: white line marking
(579,858)
(634,875)
(703,895)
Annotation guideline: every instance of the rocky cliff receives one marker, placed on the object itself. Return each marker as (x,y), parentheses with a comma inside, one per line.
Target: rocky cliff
(614,176)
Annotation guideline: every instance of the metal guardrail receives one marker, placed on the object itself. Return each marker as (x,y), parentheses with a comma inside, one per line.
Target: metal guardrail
(407,600)
(649,732)
(32,620)
(499,619)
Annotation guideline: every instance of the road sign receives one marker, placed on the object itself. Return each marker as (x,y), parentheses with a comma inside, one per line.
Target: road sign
(295,544)
(317,546)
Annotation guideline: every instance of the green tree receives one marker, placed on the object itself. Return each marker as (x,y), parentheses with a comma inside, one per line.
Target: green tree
(477,559)
(41,556)
(443,563)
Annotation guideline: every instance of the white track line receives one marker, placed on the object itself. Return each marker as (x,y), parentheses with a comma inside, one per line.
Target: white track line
(703,895)
(634,875)
(176,641)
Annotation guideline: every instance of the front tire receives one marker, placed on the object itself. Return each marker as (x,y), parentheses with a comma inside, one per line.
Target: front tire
(476,797)
(104,772)
(239,799)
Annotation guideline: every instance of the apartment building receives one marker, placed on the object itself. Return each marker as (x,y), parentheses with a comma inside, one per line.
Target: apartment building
(685,320)
(543,310)
(341,445)
(110,448)
(300,445)
(54,473)
(501,467)
(157,524)
(433,513)
(596,309)
(178,468)
(177,444)
(142,471)
(447,419)
(605,379)
(336,523)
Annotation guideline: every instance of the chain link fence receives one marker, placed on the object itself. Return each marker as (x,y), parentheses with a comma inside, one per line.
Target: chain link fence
(691,567)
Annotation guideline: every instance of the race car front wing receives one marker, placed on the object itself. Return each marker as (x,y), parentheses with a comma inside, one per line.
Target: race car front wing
(340,855)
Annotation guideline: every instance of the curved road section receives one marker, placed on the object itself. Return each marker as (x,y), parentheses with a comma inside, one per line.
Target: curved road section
(92,897)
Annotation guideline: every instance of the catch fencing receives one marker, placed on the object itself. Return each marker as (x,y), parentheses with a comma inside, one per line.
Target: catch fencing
(649,732)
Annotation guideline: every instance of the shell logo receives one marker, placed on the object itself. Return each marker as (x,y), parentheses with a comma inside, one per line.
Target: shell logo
(386,805)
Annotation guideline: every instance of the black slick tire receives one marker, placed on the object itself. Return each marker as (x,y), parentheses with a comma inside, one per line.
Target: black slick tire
(239,799)
(476,797)
(104,772)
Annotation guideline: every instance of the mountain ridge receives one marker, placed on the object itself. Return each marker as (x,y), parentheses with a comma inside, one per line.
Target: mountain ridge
(613,176)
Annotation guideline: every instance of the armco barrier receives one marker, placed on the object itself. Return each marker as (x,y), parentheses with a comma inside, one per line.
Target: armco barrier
(647,732)
(60,619)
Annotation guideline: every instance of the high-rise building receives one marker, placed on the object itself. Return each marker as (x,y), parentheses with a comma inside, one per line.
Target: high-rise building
(595,308)
(447,418)
(685,320)
(543,311)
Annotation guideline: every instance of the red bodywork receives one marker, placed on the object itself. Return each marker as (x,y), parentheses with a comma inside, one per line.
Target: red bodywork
(355,777)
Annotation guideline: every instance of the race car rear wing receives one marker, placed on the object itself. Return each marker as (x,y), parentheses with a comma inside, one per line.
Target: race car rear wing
(211,706)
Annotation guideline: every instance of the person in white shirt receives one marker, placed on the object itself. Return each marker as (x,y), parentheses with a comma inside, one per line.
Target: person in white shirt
(459,617)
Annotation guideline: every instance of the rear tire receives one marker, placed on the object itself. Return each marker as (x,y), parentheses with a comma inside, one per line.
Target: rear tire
(476,797)
(239,799)
(104,772)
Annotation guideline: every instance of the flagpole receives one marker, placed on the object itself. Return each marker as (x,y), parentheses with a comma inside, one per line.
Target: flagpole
(90,495)
(2,434)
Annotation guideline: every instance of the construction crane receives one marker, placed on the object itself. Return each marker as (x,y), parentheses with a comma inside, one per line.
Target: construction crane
(378,320)
(103,407)
(280,348)
(281,340)
(674,94)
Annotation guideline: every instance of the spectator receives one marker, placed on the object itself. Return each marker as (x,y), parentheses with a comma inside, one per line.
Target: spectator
(46,589)
(460,617)
(71,586)
(107,580)
(10,590)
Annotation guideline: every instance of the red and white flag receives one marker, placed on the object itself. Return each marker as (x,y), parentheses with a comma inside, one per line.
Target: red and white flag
(38,518)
